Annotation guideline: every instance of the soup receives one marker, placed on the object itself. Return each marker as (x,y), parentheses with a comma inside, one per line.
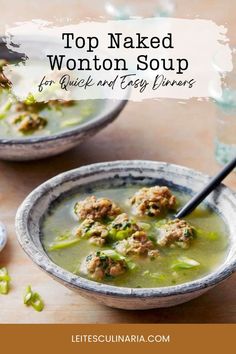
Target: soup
(124,236)
(31,118)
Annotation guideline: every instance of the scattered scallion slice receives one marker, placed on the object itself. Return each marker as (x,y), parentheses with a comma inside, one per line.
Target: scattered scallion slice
(33,299)
(4,281)
(113,255)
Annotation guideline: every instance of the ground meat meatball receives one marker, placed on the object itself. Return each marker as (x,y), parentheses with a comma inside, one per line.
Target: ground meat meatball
(153,201)
(29,122)
(137,244)
(4,82)
(94,231)
(99,265)
(96,209)
(176,232)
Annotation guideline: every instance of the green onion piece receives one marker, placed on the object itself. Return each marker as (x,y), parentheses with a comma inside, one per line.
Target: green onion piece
(113,255)
(4,287)
(63,237)
(33,299)
(144,226)
(5,108)
(161,223)
(122,234)
(63,244)
(4,281)
(131,265)
(157,276)
(210,235)
(185,263)
(70,122)
(118,235)
(30,99)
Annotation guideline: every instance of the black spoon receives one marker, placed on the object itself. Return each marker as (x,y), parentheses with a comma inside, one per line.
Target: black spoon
(214,182)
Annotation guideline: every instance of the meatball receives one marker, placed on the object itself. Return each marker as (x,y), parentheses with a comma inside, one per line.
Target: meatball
(176,232)
(30,122)
(96,209)
(4,82)
(137,244)
(153,201)
(94,230)
(100,265)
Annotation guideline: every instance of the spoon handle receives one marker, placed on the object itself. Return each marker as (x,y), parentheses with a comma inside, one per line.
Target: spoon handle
(214,182)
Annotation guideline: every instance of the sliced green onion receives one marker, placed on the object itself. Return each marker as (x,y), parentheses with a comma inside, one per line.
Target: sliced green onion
(131,265)
(70,122)
(210,235)
(157,276)
(63,244)
(185,263)
(161,223)
(5,108)
(30,99)
(118,235)
(33,299)
(113,255)
(4,281)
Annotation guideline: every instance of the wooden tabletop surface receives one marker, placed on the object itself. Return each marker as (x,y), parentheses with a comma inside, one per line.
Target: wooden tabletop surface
(162,130)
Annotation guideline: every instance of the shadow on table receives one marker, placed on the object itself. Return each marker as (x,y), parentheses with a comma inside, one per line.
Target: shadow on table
(216,306)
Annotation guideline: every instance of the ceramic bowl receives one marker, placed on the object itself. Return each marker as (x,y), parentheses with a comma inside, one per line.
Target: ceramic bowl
(3,236)
(45,146)
(32,148)
(32,211)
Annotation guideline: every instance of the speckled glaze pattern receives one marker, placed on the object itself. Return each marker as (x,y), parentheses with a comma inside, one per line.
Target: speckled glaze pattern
(33,209)
(41,147)
(3,236)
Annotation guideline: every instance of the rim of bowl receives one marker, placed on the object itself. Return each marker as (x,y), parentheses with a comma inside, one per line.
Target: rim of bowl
(95,122)
(3,236)
(76,281)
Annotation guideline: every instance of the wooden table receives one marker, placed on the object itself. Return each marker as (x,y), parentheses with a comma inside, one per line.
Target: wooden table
(163,130)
